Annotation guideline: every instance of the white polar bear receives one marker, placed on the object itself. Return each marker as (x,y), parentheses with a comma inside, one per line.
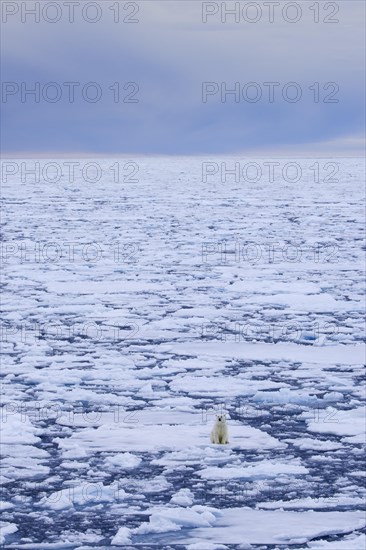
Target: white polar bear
(219,433)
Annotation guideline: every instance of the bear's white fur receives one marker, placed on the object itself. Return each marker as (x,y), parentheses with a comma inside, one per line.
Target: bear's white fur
(219,433)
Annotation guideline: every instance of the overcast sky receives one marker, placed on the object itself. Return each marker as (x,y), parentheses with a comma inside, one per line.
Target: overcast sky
(168,54)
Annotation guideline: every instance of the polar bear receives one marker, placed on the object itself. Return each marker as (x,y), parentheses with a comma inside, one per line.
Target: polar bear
(219,433)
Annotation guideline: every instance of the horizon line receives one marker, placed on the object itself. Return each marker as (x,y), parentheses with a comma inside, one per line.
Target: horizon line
(247,154)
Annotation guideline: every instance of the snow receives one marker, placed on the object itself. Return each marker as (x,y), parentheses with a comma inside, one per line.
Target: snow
(20,458)
(6,528)
(5,505)
(173,519)
(143,438)
(265,469)
(285,396)
(309,503)
(338,354)
(354,543)
(238,525)
(81,494)
(241,525)
(123,461)
(113,369)
(209,546)
(122,536)
(184,497)
(347,423)
(17,428)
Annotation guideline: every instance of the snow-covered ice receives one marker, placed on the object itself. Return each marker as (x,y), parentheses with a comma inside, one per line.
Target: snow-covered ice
(133,313)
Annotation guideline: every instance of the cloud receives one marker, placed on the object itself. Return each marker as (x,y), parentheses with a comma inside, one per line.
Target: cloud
(169,54)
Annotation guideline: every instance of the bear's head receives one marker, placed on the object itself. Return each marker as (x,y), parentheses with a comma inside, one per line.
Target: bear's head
(221,417)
